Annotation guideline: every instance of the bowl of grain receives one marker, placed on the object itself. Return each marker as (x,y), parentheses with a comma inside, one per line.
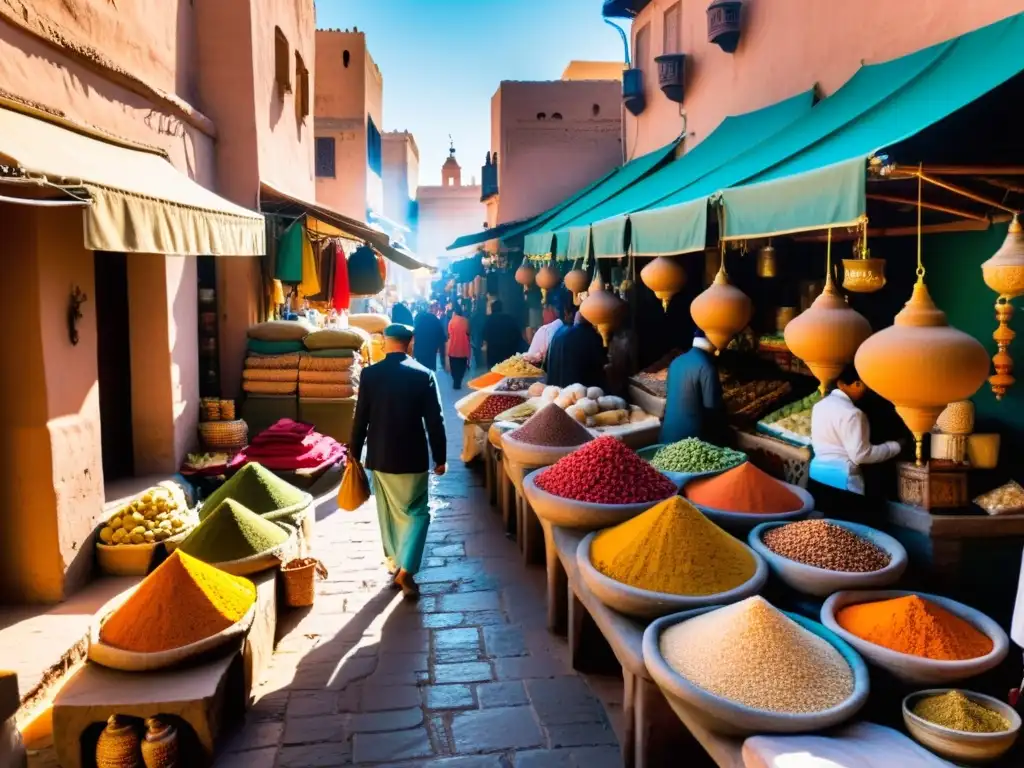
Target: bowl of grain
(961,725)
(918,637)
(819,557)
(750,668)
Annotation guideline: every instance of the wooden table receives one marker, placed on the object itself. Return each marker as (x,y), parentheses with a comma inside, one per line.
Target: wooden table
(529,533)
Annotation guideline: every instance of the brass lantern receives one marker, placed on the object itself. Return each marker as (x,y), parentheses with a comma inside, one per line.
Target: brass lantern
(666,277)
(767,264)
(525,275)
(1004,274)
(722,311)
(602,309)
(827,335)
(547,279)
(863,274)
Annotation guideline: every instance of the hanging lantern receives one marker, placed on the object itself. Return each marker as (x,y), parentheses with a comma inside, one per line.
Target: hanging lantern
(602,310)
(576,281)
(548,278)
(666,277)
(1004,274)
(722,311)
(863,274)
(767,266)
(827,335)
(525,276)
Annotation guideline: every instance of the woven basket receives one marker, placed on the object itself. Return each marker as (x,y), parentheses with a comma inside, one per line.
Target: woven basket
(224,435)
(300,581)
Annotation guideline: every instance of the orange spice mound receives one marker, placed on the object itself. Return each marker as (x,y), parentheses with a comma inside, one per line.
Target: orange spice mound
(915,626)
(484,381)
(743,489)
(181,602)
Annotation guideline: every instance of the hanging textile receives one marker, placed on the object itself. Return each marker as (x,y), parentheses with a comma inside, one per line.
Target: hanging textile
(310,285)
(341,296)
(289,254)
(364,272)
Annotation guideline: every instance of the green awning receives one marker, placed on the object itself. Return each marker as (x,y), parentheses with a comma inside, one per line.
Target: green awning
(538,245)
(822,183)
(609,238)
(577,243)
(674,229)
(494,233)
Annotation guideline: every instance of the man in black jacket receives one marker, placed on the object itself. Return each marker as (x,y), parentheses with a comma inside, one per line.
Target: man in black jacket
(398,397)
(693,403)
(577,356)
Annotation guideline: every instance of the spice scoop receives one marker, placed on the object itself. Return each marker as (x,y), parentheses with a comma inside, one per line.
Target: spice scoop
(959,745)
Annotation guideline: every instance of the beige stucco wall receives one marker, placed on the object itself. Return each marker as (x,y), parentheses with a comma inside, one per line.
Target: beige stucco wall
(787,46)
(543,161)
(593,70)
(445,214)
(401,174)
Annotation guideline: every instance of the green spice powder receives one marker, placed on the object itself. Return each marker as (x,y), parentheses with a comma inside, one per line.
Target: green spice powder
(256,488)
(956,711)
(231,532)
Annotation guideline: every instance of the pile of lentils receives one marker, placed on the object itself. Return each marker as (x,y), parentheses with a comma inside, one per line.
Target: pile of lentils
(694,455)
(518,384)
(551,426)
(753,654)
(826,545)
(605,471)
(492,406)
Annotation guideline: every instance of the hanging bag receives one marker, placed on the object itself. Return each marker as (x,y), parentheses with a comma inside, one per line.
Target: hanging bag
(355,487)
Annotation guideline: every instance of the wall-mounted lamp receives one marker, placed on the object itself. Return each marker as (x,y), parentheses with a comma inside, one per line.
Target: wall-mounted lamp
(75,302)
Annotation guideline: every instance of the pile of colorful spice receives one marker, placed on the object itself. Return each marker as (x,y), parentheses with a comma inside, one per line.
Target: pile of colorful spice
(744,489)
(233,532)
(518,384)
(519,413)
(956,711)
(517,367)
(485,381)
(258,489)
(753,654)
(180,603)
(492,405)
(604,471)
(694,455)
(915,626)
(551,426)
(672,548)
(826,545)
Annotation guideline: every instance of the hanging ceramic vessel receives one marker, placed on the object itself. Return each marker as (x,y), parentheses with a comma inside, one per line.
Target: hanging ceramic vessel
(722,311)
(666,277)
(525,276)
(767,264)
(863,274)
(602,310)
(1004,274)
(547,279)
(160,746)
(576,281)
(119,745)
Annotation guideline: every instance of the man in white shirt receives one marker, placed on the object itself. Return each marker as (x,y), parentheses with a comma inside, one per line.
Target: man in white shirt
(841,437)
(542,340)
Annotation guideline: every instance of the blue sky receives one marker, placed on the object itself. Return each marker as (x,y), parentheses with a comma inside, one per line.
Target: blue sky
(442,60)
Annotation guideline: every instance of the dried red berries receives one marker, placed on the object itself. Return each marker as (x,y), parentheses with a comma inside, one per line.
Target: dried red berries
(605,471)
(493,405)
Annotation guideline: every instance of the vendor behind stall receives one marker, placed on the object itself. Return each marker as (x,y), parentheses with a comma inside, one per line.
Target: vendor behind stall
(693,400)
(841,439)
(576,356)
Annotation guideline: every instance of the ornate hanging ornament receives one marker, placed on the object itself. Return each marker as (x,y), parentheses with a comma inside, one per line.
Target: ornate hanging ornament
(827,335)
(602,310)
(863,274)
(767,264)
(721,311)
(1004,274)
(666,277)
(547,279)
(525,275)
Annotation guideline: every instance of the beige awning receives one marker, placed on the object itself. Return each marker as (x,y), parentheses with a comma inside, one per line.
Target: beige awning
(140,202)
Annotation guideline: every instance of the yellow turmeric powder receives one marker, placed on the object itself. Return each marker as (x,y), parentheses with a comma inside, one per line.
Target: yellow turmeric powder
(672,548)
(181,602)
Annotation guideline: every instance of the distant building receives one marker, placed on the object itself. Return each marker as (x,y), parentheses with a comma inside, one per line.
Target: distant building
(401,178)
(594,70)
(447,211)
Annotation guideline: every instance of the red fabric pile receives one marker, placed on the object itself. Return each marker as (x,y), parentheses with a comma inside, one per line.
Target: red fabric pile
(289,446)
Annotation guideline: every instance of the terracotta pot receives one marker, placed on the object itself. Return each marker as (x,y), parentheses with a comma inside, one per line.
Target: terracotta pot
(547,279)
(602,310)
(525,275)
(119,745)
(827,335)
(666,277)
(722,311)
(160,747)
(577,281)
(1004,272)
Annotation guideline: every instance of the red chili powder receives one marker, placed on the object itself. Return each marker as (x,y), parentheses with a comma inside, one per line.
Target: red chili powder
(743,489)
(605,471)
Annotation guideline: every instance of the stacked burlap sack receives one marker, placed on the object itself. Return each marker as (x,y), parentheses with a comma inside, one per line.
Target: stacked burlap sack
(332,363)
(275,350)
(374,325)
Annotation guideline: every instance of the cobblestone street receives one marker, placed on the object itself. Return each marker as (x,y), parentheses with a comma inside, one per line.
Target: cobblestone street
(468,677)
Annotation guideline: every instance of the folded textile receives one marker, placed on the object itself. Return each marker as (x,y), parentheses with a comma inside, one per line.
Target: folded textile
(329,353)
(270,374)
(270,387)
(280,330)
(313,451)
(329,377)
(282,362)
(311,363)
(861,745)
(326,390)
(262,347)
(287,430)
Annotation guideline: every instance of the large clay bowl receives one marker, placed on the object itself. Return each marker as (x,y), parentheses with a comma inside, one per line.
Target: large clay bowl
(529,455)
(821,582)
(916,669)
(743,521)
(731,718)
(962,746)
(645,604)
(581,515)
(680,478)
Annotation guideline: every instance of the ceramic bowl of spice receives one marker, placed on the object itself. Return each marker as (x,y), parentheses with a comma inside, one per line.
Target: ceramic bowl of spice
(545,438)
(745,496)
(691,458)
(819,557)
(600,484)
(670,558)
(961,725)
(750,668)
(918,637)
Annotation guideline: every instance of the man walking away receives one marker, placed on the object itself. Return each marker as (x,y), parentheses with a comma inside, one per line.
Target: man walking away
(397,398)
(430,338)
(577,356)
(693,403)
(502,335)
(458,346)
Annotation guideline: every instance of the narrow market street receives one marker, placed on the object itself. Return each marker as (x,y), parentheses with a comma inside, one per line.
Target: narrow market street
(468,677)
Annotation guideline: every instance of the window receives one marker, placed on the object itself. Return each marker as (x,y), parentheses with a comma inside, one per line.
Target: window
(556,115)
(373,147)
(302,87)
(595,110)
(346,57)
(282,70)
(642,47)
(542,116)
(672,30)
(325,157)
